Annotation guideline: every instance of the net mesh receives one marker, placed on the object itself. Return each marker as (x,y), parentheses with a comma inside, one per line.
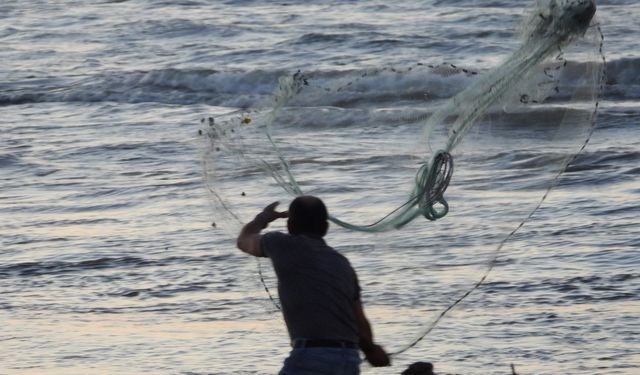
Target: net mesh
(530,74)
(372,144)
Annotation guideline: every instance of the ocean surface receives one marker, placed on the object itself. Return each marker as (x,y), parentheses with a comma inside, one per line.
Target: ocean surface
(116,259)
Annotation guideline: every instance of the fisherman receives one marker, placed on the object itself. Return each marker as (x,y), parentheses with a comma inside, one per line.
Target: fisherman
(318,290)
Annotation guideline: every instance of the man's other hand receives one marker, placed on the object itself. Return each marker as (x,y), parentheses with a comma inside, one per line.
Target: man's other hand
(377,357)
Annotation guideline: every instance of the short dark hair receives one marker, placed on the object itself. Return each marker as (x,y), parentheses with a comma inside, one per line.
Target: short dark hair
(308,214)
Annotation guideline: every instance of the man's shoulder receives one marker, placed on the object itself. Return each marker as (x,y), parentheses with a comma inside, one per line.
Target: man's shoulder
(275,235)
(274,242)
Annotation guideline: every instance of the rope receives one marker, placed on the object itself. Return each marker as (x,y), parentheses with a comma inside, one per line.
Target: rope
(430,185)
(554,182)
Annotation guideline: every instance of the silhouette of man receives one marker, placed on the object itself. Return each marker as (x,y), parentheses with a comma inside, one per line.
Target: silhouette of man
(318,290)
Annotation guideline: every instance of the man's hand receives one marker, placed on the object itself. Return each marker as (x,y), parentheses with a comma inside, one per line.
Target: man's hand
(376,356)
(270,214)
(249,237)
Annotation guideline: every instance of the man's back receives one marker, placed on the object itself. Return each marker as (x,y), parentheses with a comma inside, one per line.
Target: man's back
(317,286)
(318,289)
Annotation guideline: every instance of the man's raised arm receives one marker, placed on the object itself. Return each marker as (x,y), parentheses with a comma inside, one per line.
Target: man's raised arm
(249,237)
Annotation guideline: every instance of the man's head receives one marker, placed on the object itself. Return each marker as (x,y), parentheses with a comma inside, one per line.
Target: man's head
(308,214)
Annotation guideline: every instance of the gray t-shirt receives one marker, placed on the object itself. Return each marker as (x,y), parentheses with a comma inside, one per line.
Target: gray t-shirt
(317,287)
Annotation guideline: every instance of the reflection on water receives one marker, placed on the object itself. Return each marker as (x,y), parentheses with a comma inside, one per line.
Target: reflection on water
(110,264)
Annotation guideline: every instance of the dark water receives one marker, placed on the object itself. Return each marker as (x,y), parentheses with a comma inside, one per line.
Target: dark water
(110,262)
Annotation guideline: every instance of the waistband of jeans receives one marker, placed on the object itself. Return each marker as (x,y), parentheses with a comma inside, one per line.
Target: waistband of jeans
(322,343)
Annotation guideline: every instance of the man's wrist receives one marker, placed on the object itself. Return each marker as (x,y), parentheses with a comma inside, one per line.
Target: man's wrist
(367,346)
(261,220)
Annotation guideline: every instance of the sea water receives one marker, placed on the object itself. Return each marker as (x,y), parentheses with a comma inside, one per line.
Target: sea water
(109,260)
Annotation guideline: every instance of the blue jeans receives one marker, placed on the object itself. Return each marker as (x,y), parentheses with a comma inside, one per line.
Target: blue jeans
(322,361)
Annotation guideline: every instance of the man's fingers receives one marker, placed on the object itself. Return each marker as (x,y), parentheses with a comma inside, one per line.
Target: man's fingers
(272,206)
(283,214)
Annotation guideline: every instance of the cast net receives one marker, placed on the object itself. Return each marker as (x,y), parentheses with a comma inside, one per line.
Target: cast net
(380,144)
